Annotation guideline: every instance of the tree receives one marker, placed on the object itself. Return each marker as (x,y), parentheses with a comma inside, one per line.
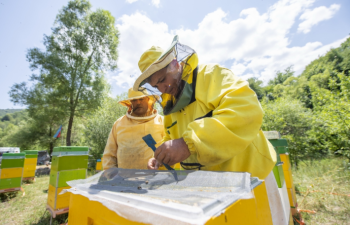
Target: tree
(294,122)
(70,82)
(332,110)
(7,117)
(99,124)
(281,77)
(255,84)
(275,87)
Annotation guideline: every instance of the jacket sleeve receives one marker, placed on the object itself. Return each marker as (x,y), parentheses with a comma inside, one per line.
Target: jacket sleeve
(110,153)
(235,122)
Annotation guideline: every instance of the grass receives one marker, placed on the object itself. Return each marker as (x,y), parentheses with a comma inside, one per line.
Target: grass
(326,176)
(29,209)
(314,181)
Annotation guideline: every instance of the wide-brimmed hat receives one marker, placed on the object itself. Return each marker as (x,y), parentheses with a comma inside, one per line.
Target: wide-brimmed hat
(137,95)
(153,60)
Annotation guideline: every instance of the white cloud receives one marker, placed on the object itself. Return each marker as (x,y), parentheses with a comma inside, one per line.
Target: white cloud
(313,17)
(156,3)
(131,1)
(137,34)
(256,44)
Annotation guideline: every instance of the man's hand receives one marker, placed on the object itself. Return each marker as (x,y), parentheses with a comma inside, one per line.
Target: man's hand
(170,152)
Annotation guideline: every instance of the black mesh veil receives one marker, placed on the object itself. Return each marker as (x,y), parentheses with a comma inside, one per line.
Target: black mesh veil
(187,58)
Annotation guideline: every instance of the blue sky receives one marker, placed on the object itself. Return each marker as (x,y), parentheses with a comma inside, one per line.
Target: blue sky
(252,38)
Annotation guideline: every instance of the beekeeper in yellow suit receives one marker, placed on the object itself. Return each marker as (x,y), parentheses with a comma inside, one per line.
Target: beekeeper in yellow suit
(212,118)
(125,147)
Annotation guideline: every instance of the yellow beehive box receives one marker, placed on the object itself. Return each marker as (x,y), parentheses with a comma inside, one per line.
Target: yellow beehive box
(254,211)
(288,178)
(286,162)
(57,201)
(191,199)
(11,172)
(291,222)
(29,166)
(292,197)
(30,161)
(99,166)
(29,170)
(28,173)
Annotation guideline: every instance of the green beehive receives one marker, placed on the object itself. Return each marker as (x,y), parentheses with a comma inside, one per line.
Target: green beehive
(69,158)
(70,150)
(31,153)
(279,175)
(59,179)
(68,163)
(12,163)
(12,160)
(71,162)
(278,171)
(281,145)
(10,183)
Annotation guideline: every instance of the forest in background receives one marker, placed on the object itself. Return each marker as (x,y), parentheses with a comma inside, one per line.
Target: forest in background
(310,110)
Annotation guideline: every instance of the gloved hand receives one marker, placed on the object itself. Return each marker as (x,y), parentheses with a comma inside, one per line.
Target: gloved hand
(170,152)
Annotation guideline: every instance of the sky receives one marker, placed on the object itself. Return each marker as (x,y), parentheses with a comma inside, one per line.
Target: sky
(254,38)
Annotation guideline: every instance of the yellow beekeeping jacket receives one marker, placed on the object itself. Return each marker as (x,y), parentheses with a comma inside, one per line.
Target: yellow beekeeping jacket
(222,126)
(125,147)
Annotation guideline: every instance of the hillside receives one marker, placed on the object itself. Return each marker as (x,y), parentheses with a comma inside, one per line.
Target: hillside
(3,112)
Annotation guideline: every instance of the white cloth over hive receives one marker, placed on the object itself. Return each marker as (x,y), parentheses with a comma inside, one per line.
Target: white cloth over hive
(277,206)
(154,197)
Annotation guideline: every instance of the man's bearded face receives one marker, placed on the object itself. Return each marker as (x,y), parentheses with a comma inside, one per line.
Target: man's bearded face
(140,106)
(168,79)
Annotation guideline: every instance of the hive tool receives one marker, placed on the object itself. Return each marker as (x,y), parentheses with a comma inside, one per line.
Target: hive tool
(152,144)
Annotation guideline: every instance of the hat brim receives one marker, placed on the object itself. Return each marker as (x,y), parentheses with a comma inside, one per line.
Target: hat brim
(127,102)
(152,69)
(161,62)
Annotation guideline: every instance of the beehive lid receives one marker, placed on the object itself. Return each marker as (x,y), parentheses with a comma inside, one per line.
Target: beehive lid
(272,135)
(13,156)
(194,199)
(31,153)
(70,150)
(279,143)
